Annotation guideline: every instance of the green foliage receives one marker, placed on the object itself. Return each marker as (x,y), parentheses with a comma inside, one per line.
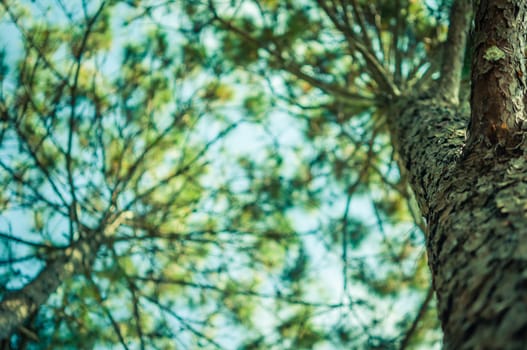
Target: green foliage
(228,163)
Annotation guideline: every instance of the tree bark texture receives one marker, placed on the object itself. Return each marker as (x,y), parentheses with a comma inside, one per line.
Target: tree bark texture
(473,194)
(475,209)
(498,74)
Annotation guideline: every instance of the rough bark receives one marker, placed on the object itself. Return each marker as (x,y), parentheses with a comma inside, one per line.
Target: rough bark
(477,240)
(498,74)
(474,197)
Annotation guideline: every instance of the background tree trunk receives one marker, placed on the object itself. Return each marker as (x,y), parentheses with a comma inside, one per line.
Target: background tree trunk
(18,305)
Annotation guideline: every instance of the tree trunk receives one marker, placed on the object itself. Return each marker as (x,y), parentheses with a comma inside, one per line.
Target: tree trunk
(18,305)
(475,207)
(474,196)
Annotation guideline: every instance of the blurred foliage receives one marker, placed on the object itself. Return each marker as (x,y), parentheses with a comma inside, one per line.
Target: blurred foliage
(230,157)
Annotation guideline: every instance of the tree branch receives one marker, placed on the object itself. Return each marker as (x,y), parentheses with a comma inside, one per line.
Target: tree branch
(420,314)
(375,68)
(454,52)
(294,68)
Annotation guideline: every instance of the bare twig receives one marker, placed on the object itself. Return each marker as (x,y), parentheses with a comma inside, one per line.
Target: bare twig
(420,314)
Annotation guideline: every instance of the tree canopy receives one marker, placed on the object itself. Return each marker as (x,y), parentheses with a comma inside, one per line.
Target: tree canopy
(212,174)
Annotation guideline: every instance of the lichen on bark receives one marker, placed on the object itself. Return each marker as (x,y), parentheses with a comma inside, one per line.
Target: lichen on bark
(493,54)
